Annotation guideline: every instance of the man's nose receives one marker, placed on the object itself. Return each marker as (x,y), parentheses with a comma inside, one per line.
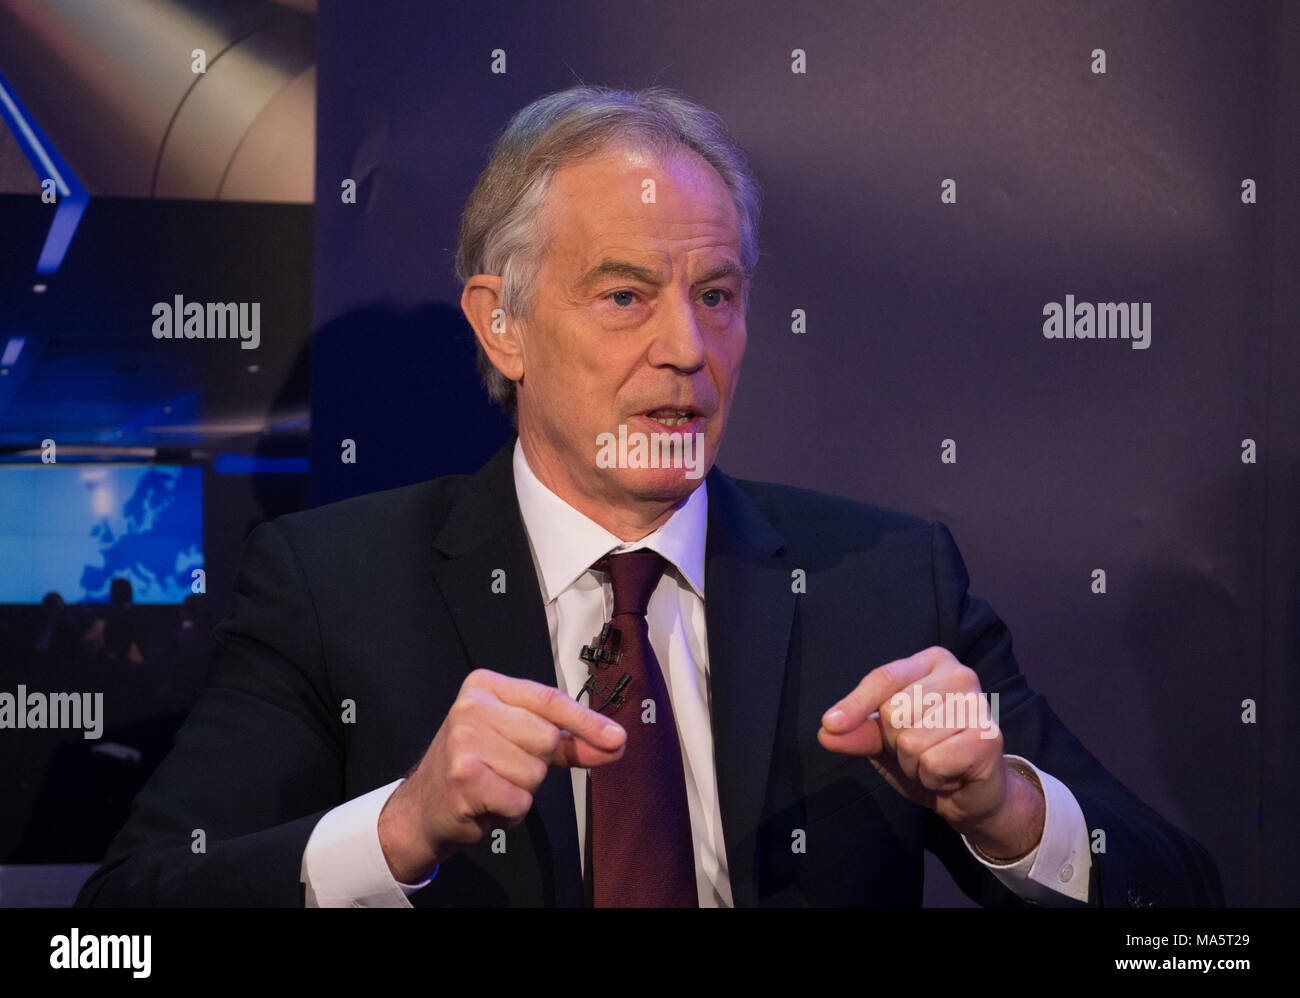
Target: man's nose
(679,340)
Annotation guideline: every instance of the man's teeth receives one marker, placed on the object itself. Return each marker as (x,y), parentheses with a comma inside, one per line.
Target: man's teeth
(672,417)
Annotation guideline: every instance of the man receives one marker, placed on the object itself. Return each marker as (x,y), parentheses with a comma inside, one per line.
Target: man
(752,725)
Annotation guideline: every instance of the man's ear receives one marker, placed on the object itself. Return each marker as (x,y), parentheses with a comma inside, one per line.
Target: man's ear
(497,333)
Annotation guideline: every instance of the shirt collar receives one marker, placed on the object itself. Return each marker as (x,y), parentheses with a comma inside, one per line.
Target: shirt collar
(565,543)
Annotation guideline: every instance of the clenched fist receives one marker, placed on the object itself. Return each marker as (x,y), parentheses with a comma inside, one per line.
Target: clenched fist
(492,752)
(950,762)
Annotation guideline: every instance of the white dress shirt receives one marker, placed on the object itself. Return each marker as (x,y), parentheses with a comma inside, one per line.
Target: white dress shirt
(344,866)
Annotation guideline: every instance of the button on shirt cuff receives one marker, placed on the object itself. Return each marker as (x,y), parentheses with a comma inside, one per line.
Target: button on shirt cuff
(1060,865)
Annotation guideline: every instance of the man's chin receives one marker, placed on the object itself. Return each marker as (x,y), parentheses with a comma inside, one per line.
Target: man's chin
(661,484)
(653,467)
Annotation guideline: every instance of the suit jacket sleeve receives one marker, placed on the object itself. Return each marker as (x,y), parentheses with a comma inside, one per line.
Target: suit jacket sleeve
(226,817)
(1147,861)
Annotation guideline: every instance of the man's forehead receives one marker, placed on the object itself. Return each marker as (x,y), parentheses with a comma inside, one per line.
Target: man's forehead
(632,206)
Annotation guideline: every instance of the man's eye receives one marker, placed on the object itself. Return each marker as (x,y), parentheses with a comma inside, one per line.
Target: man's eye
(619,299)
(720,297)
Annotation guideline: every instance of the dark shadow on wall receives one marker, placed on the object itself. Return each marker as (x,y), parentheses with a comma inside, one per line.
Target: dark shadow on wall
(402,386)
(1203,644)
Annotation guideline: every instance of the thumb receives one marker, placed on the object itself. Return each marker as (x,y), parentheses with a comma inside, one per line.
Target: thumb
(573,751)
(866,739)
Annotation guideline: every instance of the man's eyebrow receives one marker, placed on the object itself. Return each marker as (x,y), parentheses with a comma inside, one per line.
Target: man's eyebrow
(727,268)
(621,268)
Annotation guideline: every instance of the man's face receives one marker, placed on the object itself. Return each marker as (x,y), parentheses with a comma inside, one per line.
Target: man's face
(637,321)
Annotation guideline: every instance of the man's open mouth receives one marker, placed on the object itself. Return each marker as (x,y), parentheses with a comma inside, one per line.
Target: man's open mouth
(672,416)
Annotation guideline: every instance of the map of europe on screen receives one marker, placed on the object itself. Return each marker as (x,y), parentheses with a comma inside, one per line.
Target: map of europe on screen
(72,529)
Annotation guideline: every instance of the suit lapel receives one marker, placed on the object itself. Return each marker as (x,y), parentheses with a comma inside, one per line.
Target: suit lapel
(507,631)
(749,610)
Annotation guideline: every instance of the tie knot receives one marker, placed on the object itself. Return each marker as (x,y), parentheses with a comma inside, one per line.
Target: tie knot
(633,576)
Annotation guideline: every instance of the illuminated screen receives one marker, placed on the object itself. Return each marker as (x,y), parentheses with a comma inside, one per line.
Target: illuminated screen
(72,529)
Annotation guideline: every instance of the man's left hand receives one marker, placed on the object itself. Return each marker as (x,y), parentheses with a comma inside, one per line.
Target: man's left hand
(947,759)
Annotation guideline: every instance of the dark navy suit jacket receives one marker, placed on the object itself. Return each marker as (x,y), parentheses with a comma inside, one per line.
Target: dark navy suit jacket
(386,600)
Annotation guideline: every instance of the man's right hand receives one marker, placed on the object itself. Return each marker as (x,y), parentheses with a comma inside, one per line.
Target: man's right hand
(480,772)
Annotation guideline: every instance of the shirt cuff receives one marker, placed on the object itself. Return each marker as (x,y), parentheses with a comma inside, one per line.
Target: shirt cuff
(343,865)
(1060,865)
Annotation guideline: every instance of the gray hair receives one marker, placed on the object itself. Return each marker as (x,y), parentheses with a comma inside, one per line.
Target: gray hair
(502,230)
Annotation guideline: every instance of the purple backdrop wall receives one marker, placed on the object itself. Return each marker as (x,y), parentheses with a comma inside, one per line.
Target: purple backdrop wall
(925,320)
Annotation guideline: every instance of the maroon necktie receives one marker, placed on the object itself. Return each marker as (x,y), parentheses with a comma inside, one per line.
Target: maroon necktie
(640,826)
